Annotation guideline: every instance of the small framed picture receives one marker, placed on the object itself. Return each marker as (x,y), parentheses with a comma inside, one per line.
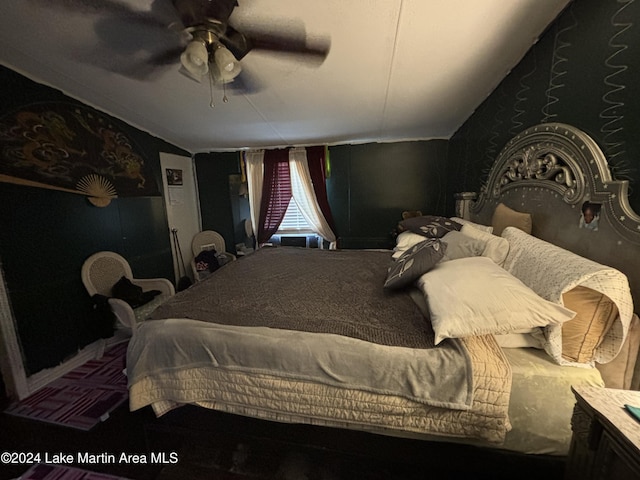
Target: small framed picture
(590,216)
(174,176)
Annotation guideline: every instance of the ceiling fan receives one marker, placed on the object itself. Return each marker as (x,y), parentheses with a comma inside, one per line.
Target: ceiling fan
(218,47)
(207,44)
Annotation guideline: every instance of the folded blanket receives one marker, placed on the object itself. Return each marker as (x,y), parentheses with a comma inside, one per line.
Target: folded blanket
(436,377)
(551,271)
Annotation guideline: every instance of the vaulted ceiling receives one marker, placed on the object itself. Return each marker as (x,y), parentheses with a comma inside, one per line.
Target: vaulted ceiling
(396,69)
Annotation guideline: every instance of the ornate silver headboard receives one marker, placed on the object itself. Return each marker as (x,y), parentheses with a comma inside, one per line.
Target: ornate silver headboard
(554,171)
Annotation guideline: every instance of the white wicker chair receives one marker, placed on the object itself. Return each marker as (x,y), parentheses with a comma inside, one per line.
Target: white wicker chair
(103,269)
(206,240)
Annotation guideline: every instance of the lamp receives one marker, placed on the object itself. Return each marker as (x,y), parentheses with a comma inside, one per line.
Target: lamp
(228,67)
(195,58)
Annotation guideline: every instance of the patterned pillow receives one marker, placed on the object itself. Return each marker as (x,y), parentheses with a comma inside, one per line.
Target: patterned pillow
(430,226)
(413,263)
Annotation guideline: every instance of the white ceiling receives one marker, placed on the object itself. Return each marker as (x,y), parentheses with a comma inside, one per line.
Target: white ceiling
(396,70)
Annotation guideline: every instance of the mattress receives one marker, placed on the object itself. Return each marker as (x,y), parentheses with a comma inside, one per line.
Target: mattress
(541,402)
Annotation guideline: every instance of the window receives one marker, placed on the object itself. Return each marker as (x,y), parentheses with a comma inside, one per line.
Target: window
(294,221)
(278,177)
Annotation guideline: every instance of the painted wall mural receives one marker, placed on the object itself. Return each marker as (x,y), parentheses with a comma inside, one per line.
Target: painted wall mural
(68,147)
(613,100)
(584,71)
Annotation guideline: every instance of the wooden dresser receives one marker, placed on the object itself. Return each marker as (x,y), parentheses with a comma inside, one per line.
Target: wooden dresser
(606,437)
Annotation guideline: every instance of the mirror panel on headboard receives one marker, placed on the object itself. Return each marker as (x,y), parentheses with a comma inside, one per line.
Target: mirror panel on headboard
(554,171)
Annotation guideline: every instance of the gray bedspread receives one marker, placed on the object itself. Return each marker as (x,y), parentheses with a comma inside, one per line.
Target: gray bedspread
(312,290)
(322,314)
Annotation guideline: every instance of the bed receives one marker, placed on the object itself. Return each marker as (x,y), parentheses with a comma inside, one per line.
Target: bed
(408,343)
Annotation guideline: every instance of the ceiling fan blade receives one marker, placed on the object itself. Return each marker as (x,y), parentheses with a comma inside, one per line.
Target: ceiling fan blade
(318,51)
(246,83)
(293,43)
(198,12)
(109,7)
(237,43)
(167,57)
(138,53)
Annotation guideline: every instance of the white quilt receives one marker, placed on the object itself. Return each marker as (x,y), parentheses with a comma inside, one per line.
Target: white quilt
(274,397)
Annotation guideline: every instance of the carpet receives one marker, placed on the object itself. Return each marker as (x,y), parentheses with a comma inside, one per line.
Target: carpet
(82,398)
(41,471)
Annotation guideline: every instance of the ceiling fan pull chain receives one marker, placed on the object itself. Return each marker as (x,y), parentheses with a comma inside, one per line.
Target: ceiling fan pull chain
(211,102)
(224,93)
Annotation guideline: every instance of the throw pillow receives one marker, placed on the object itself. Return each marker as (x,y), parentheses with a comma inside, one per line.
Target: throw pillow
(431,226)
(504,217)
(416,261)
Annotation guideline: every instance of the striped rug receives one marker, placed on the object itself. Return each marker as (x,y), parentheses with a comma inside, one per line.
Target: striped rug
(41,471)
(83,397)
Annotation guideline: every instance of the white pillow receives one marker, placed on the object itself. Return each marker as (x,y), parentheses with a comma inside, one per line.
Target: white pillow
(474,296)
(405,241)
(496,248)
(462,221)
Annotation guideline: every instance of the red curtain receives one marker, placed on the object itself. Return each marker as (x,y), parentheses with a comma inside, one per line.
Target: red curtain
(316,161)
(276,193)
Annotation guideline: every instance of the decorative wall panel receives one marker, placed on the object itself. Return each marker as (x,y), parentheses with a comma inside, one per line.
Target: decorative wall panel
(65,146)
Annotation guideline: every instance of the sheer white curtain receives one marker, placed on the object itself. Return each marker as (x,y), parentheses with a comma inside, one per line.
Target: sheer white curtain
(254,162)
(305,197)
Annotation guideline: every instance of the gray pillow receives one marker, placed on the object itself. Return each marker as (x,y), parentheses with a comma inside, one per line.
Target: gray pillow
(459,245)
(413,263)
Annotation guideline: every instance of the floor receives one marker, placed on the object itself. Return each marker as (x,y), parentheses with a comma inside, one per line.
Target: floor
(228,447)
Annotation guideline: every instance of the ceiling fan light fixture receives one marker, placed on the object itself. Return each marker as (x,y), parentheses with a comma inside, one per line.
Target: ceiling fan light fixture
(195,58)
(228,67)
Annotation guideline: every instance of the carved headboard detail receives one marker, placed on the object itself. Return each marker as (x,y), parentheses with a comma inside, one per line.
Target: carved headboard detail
(551,170)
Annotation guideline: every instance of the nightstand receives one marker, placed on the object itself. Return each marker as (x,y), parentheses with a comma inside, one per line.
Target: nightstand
(606,437)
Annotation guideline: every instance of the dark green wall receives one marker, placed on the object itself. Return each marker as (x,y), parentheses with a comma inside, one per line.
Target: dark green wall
(369,187)
(219,210)
(372,184)
(46,235)
(584,71)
